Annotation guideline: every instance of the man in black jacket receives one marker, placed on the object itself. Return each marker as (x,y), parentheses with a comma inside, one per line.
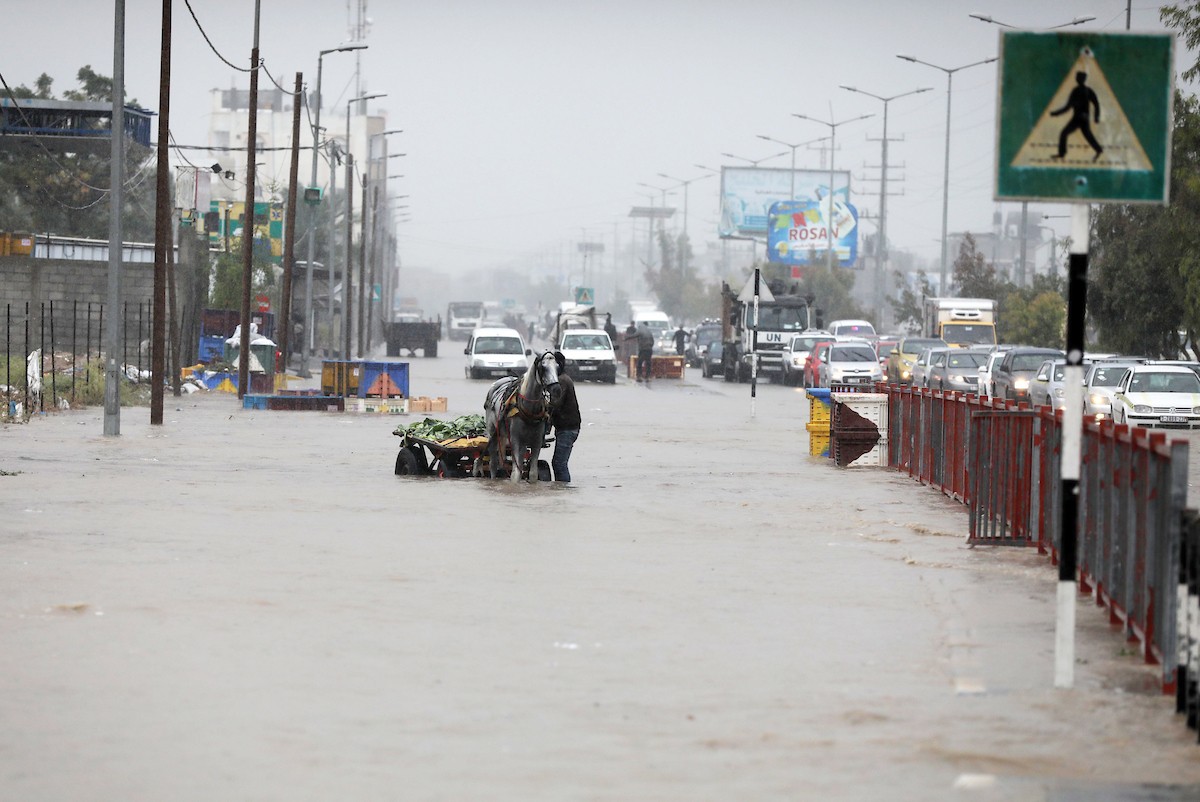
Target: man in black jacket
(566,421)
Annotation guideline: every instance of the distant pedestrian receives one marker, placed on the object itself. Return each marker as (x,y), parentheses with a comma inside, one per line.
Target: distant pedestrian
(611,330)
(566,421)
(645,345)
(681,338)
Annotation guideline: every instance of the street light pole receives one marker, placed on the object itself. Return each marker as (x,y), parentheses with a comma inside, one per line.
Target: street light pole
(881,246)
(685,184)
(347,302)
(832,152)
(942,285)
(754,162)
(312,217)
(792,193)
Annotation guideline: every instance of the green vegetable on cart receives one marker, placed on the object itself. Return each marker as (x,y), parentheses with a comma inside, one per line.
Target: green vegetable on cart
(435,429)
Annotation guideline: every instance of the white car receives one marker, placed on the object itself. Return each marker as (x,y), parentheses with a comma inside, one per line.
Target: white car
(796,352)
(850,363)
(1158,395)
(986,387)
(496,352)
(589,354)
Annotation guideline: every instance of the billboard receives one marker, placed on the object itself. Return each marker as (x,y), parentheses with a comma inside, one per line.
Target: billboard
(800,233)
(268,226)
(748,192)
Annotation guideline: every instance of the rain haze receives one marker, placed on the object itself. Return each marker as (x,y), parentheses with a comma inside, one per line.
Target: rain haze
(531,126)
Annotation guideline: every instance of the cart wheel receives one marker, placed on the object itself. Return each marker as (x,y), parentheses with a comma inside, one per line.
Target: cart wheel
(409,462)
(544,474)
(450,470)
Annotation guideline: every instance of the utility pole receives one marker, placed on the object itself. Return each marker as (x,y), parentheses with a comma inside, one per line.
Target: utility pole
(374,254)
(248,216)
(362,261)
(348,277)
(116,196)
(289,232)
(162,224)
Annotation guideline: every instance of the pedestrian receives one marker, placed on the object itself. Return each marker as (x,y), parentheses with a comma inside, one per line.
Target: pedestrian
(566,421)
(681,337)
(611,330)
(645,341)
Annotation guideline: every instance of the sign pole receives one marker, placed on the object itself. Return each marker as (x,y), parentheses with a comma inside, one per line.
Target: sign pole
(1072,441)
(754,343)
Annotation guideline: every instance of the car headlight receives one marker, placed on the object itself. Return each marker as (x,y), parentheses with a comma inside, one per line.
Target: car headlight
(797,361)
(960,379)
(1196,410)
(906,374)
(1021,384)
(1097,400)
(1059,392)
(1141,409)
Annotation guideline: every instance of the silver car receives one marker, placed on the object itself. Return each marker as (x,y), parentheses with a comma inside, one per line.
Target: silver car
(956,369)
(851,363)
(920,368)
(1100,383)
(1047,387)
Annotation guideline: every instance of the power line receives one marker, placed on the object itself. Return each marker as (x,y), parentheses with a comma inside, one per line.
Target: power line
(210,44)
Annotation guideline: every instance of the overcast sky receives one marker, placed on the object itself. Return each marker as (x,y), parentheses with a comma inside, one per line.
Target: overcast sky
(530,123)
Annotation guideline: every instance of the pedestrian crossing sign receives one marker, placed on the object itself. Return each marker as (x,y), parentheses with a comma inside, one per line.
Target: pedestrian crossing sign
(585,296)
(1084,117)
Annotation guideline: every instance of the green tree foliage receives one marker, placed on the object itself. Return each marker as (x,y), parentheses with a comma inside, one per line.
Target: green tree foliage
(226,287)
(974,276)
(64,193)
(907,309)
(680,292)
(1145,260)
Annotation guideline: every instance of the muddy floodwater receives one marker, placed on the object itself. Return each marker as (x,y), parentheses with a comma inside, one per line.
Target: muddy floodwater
(250,605)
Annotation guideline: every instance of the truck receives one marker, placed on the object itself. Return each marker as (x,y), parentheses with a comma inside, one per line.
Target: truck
(462,317)
(788,313)
(407,331)
(960,322)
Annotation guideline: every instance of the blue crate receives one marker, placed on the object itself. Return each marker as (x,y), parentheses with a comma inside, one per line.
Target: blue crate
(383,380)
(211,347)
(255,401)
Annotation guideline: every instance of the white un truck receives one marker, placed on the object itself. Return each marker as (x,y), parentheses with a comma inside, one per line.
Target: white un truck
(961,322)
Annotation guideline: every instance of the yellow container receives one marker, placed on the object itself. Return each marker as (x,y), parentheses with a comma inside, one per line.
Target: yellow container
(820,427)
(818,444)
(819,411)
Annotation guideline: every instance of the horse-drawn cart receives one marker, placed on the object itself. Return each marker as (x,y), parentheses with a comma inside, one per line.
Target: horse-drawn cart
(451,457)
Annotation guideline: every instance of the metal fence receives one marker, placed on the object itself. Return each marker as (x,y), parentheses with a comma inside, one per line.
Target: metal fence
(52,349)
(1003,462)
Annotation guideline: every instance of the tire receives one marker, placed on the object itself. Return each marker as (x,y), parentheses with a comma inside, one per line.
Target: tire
(543,471)
(411,462)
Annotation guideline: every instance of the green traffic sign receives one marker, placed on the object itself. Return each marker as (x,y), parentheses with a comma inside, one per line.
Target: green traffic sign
(1084,117)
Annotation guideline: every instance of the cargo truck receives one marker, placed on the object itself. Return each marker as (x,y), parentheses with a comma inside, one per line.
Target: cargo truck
(960,322)
(778,319)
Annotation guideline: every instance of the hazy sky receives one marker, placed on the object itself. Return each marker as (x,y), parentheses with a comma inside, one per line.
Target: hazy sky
(530,123)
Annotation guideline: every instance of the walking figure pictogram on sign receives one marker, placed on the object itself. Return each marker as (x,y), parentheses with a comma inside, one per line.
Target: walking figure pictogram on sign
(1080,103)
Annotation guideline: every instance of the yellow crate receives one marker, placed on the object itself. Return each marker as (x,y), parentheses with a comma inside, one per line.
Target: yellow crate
(820,427)
(818,444)
(819,411)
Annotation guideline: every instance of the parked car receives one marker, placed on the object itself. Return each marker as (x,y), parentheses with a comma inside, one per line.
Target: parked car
(988,369)
(1158,395)
(902,358)
(1100,383)
(702,336)
(495,352)
(711,360)
(796,352)
(850,363)
(1047,387)
(1011,377)
(920,368)
(956,369)
(589,354)
(812,365)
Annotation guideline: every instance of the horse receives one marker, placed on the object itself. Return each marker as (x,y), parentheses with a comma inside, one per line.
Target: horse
(517,416)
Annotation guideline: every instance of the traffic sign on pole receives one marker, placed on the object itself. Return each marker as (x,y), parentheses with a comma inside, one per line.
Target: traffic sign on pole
(1084,117)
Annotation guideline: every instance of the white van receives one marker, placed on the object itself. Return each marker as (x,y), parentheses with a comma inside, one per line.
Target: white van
(495,352)
(852,328)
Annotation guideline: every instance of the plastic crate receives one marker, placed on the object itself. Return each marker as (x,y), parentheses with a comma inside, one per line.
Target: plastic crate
(383,380)
(340,378)
(852,454)
(870,414)
(818,443)
(819,406)
(254,401)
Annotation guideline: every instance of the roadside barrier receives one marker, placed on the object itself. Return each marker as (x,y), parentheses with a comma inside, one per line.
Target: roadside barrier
(1003,462)
(1187,684)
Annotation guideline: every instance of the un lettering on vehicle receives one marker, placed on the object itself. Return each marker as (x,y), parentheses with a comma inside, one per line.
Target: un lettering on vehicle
(774,338)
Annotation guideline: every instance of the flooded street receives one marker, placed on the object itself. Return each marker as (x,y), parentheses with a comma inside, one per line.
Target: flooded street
(250,605)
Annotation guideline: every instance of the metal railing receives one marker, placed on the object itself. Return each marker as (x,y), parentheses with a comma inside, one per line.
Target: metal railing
(1003,461)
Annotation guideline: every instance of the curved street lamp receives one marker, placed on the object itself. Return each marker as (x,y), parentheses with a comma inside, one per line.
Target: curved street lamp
(833,126)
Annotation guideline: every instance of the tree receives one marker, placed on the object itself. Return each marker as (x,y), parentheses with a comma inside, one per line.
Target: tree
(1145,260)
(92,86)
(907,309)
(974,277)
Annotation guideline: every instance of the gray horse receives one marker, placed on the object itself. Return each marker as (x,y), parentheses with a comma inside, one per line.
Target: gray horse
(517,415)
